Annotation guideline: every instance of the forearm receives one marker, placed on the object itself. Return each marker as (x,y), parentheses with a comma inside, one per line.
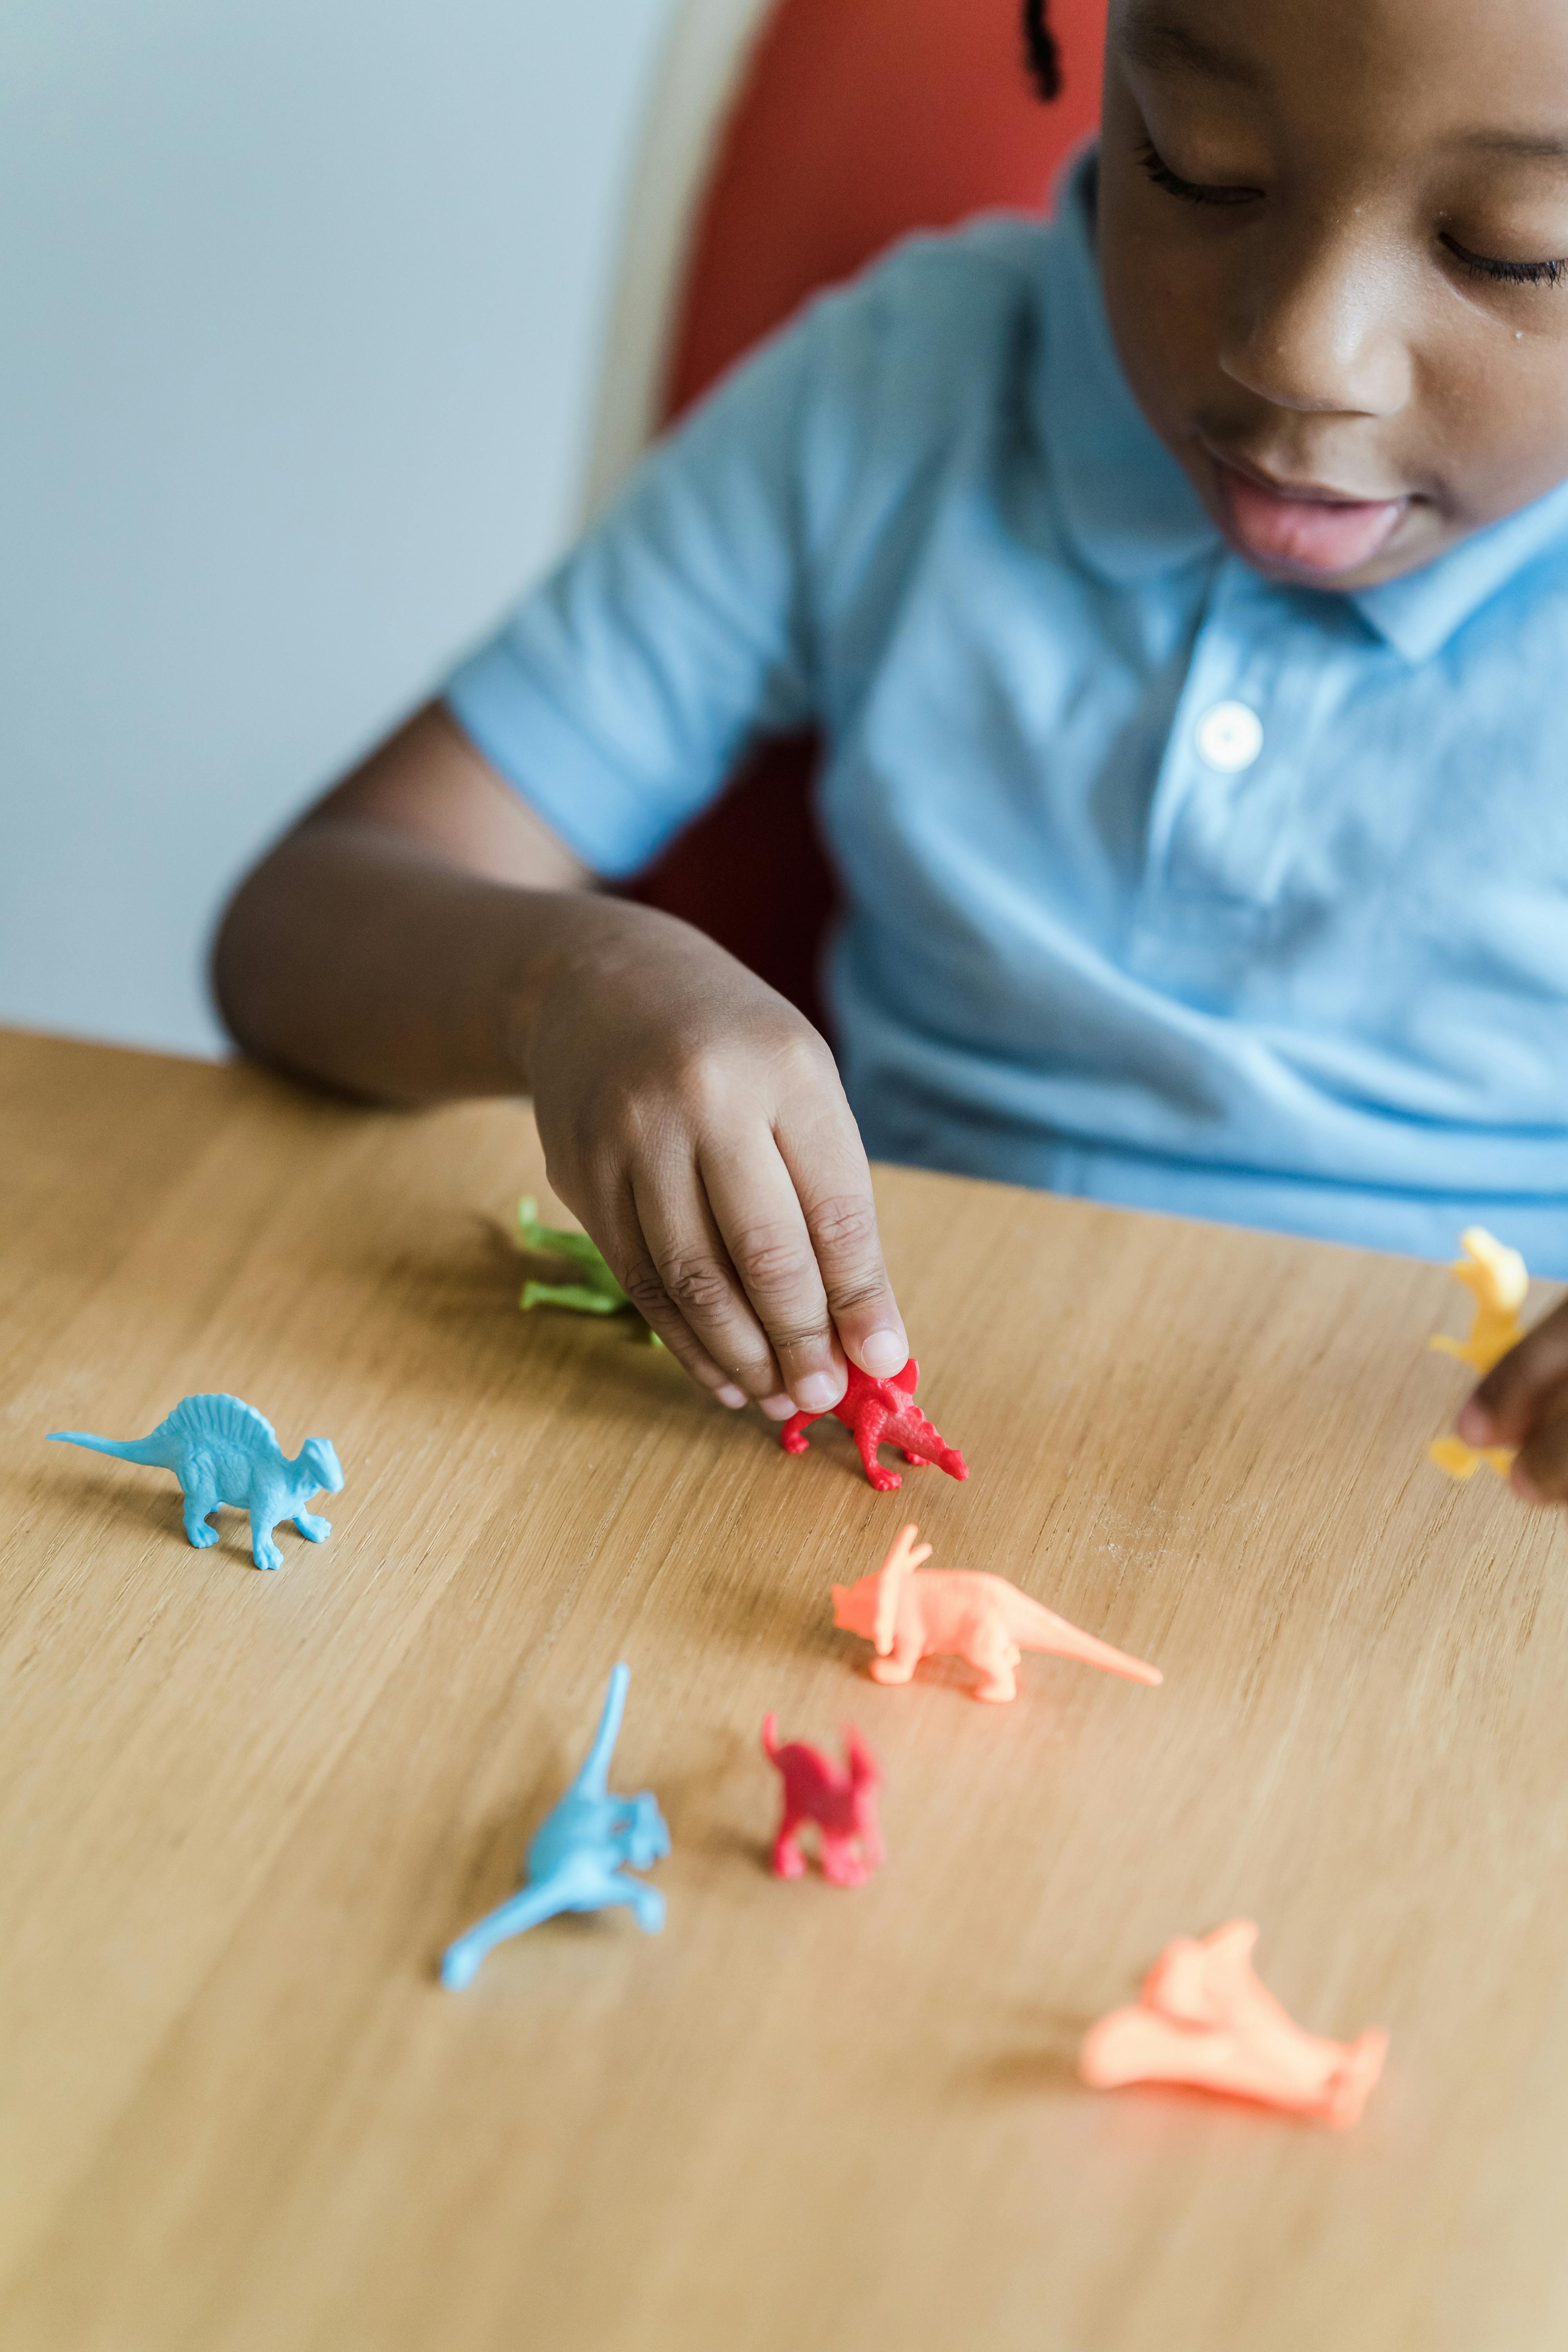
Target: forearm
(357,956)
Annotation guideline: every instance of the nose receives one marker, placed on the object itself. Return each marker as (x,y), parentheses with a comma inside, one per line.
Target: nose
(1318,331)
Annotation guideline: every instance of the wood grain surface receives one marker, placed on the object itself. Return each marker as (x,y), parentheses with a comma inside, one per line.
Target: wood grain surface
(240,1815)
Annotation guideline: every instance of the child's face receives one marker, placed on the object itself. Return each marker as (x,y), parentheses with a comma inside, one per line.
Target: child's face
(1330,237)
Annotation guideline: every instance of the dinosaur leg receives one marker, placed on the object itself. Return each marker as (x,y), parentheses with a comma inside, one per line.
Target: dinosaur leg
(893,1671)
(264,1551)
(992,1651)
(460,1964)
(201,1490)
(900,1667)
(645,1902)
(842,1862)
(313,1529)
(575,1295)
(869,1430)
(788,1860)
(201,1500)
(791,1436)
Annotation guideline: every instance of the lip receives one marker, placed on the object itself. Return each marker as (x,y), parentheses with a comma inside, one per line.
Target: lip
(1311,530)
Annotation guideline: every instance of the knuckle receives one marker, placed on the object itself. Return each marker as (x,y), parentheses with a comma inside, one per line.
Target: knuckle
(698,1285)
(771,1257)
(645,1291)
(846,1225)
(796,1338)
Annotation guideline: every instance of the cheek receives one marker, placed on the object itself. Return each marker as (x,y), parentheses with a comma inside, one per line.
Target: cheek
(1496,402)
(1165,301)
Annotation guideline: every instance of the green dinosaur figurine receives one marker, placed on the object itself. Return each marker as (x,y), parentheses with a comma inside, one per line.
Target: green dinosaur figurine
(597,1292)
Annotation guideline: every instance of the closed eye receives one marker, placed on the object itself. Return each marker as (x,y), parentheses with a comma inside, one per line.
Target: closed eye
(1506,273)
(1193,192)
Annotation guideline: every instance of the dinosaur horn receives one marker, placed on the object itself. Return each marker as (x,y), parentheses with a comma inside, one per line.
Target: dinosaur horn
(905,1555)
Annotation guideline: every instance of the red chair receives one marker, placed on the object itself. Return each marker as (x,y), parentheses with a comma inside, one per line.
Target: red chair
(858,120)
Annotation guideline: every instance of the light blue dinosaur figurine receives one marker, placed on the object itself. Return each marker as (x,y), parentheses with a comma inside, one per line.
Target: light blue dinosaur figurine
(581,1856)
(223,1451)
(596,1293)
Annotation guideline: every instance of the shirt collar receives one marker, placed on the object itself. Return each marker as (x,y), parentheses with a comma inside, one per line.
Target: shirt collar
(1130,508)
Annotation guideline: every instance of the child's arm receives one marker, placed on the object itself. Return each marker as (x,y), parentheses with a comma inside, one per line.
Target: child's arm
(1524,1403)
(422,934)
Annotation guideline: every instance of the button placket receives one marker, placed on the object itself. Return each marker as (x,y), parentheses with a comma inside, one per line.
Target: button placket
(1214,851)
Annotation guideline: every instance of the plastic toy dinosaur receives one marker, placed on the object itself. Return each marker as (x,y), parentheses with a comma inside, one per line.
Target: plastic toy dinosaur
(1204,2019)
(842,1801)
(596,1293)
(223,1451)
(958,1613)
(881,1413)
(581,1856)
(1498,1279)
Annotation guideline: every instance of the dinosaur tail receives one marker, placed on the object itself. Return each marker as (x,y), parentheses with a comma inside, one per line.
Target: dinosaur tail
(770,1747)
(593,1780)
(1036,1628)
(146,1450)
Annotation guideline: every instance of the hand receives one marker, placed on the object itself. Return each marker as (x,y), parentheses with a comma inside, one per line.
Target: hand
(695,1122)
(1523,1402)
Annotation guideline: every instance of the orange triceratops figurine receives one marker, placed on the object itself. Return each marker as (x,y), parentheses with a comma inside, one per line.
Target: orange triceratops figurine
(962,1615)
(1204,2019)
(1498,1279)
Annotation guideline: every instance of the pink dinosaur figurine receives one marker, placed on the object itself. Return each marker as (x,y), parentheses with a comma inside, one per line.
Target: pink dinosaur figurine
(953,1611)
(843,1804)
(1202,2018)
(883,1412)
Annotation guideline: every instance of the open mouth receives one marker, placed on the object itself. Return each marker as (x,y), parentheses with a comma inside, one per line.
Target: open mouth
(1314,530)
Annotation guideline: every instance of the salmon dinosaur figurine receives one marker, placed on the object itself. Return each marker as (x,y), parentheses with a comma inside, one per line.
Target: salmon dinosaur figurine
(954,1612)
(1203,2019)
(1497,1278)
(840,1798)
(882,1412)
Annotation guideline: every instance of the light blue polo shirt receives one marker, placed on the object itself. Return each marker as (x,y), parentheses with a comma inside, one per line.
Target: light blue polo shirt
(1162,885)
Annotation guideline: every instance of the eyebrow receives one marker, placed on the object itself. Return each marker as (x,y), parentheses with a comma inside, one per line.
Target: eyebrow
(1537,146)
(1156,40)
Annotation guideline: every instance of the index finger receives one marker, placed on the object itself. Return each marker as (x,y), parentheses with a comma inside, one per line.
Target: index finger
(822,1150)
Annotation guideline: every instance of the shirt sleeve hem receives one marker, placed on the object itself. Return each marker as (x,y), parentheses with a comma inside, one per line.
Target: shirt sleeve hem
(599,811)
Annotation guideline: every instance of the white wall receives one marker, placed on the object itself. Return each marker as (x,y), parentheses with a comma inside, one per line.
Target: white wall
(302,313)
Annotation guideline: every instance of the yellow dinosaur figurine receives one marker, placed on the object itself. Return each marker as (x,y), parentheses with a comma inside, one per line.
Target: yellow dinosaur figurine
(1498,1279)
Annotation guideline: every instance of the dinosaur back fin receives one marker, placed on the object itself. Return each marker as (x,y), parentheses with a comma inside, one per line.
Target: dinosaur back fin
(593,1780)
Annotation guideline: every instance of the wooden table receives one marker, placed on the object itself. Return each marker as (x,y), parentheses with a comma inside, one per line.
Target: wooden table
(240,1815)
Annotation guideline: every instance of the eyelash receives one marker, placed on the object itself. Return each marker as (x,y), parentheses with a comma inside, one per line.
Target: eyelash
(1507,273)
(1160,172)
(1499,273)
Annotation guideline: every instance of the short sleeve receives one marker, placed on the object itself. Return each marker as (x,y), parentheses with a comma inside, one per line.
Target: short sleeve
(620,695)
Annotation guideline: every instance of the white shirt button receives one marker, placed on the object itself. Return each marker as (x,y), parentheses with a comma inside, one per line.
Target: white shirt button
(1229,737)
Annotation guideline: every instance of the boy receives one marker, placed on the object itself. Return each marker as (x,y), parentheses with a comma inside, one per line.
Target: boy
(1182,589)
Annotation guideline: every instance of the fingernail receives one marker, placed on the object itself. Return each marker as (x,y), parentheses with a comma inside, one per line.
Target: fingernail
(732,1396)
(778,1408)
(820,1391)
(884,1353)
(1475,1424)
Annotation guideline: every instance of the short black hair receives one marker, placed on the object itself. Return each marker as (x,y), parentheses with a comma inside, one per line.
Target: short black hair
(1041,48)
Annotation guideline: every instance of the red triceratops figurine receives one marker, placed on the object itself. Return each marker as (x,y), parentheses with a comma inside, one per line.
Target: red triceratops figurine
(841,1802)
(878,1412)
